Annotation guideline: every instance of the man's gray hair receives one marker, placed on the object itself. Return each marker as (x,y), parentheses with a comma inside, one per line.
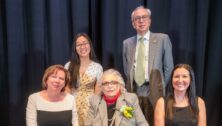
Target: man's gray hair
(140,7)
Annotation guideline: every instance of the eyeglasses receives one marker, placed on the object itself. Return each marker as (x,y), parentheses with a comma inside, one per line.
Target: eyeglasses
(110,83)
(138,18)
(82,44)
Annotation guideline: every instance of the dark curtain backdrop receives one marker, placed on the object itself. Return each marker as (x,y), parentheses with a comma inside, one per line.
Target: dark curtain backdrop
(37,33)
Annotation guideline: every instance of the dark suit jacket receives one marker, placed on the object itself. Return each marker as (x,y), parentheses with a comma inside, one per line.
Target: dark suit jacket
(97,115)
(160,62)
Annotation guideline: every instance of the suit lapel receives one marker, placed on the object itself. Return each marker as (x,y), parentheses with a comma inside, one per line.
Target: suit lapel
(103,112)
(152,50)
(120,102)
(132,56)
(133,51)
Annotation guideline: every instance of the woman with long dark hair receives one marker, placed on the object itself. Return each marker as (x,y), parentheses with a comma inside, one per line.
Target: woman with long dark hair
(181,106)
(85,72)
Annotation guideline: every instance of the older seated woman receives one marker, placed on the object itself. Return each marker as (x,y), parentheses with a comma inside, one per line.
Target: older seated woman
(114,106)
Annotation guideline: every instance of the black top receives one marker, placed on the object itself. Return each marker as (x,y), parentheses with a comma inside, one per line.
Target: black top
(110,111)
(183,116)
(41,112)
(61,118)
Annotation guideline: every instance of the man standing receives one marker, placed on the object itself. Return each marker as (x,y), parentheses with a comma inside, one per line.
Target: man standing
(147,61)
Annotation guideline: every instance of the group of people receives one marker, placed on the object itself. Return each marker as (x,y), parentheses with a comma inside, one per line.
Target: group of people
(155,92)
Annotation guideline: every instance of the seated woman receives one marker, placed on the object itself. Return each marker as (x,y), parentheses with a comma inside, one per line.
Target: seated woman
(114,106)
(181,106)
(52,106)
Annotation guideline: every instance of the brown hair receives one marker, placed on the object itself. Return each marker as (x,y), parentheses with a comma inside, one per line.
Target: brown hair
(54,69)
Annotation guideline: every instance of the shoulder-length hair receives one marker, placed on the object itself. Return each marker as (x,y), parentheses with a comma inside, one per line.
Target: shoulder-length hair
(75,60)
(191,93)
(53,70)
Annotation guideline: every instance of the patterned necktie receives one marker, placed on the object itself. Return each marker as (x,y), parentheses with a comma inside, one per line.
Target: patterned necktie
(140,63)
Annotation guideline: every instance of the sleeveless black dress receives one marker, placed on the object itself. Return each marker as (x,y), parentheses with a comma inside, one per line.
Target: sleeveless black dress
(183,116)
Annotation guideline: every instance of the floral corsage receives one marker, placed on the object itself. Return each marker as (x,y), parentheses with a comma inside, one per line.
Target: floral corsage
(127,111)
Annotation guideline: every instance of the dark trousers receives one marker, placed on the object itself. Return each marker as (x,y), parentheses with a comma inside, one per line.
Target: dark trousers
(145,104)
(147,109)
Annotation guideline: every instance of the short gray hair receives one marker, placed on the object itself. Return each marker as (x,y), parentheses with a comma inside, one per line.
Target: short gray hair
(140,7)
(118,78)
(116,74)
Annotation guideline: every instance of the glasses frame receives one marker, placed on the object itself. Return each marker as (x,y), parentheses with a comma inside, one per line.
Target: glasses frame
(138,18)
(110,83)
(82,44)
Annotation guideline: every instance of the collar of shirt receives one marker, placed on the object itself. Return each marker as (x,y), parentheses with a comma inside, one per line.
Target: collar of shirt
(146,36)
